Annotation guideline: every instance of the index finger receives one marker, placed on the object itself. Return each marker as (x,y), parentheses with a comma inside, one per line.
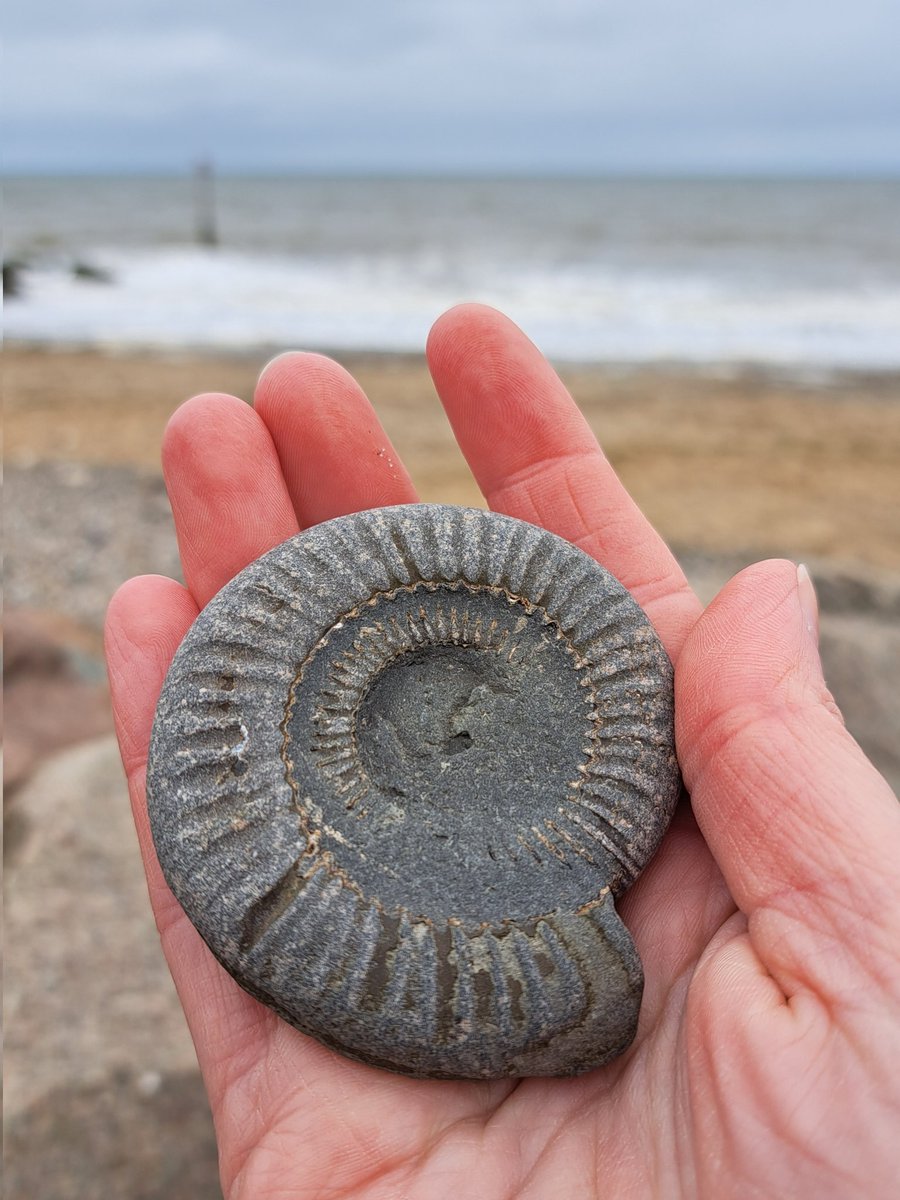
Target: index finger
(535,458)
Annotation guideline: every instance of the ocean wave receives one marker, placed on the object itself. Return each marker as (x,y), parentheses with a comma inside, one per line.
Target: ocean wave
(176,297)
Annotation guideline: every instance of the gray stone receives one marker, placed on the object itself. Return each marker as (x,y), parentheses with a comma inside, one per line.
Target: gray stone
(127,1136)
(102,1094)
(861,657)
(401,768)
(52,697)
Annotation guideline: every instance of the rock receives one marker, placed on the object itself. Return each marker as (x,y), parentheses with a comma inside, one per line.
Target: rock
(31,646)
(90,273)
(12,278)
(53,694)
(861,659)
(90,1009)
(115,1138)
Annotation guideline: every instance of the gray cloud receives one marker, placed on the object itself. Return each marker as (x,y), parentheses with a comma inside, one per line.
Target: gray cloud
(499,85)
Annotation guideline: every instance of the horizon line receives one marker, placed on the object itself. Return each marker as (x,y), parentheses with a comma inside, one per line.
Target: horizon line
(711,174)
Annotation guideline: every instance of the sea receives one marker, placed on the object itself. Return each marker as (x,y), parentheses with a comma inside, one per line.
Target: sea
(801,275)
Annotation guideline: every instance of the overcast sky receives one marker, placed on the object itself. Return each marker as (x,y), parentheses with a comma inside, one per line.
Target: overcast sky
(454,85)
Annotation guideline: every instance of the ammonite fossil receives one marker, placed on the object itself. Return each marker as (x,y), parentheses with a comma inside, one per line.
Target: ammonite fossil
(401,768)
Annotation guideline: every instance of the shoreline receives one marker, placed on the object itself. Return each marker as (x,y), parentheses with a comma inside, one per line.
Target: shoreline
(793,374)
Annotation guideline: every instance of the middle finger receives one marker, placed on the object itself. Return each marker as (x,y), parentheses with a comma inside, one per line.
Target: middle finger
(334,453)
(535,458)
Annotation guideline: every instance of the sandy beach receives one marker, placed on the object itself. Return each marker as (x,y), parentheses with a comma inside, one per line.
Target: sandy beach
(746,463)
(102,1092)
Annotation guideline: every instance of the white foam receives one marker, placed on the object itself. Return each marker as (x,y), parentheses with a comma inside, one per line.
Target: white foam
(186,297)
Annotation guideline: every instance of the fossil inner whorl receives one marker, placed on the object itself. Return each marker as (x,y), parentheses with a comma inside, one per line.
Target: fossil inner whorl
(445,721)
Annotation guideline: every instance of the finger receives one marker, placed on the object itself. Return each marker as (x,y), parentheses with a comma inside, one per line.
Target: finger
(334,454)
(146,621)
(535,458)
(227,492)
(800,822)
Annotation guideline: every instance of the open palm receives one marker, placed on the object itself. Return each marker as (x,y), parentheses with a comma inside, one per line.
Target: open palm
(768,923)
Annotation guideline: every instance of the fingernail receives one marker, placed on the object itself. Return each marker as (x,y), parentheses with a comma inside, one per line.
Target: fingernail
(809,604)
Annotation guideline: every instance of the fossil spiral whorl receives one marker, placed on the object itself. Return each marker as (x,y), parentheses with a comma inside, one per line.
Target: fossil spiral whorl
(401,767)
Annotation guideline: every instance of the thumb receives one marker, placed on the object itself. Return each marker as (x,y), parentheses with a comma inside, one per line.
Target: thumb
(805,830)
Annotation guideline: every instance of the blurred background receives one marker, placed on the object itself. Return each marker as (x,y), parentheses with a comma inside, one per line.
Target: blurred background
(693,208)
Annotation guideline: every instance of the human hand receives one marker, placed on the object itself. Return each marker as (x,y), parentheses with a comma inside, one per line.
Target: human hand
(768,922)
